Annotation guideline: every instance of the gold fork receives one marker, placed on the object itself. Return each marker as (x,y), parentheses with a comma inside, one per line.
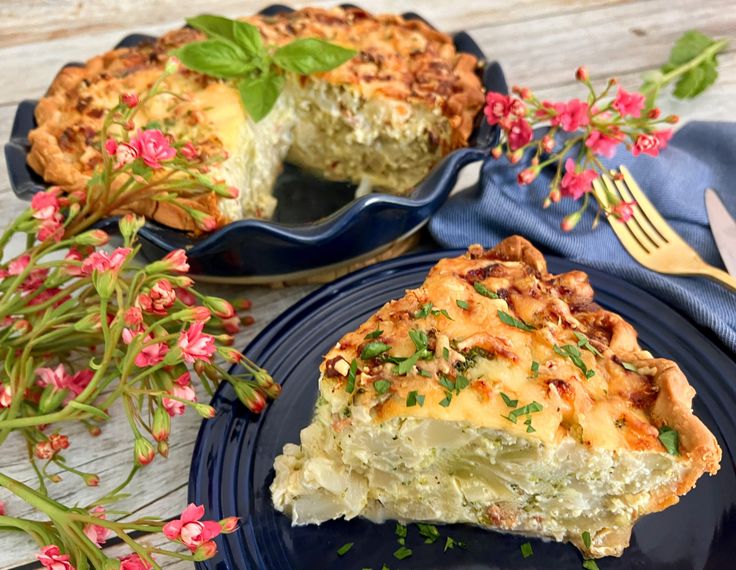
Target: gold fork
(648,237)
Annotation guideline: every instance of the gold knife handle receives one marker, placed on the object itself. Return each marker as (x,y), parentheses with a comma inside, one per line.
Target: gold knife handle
(720,276)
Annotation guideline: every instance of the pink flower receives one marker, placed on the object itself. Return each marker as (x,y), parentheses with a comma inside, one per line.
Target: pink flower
(601,144)
(80,381)
(184,380)
(498,107)
(44,450)
(628,103)
(190,530)
(134,562)
(652,143)
(97,534)
(133,316)
(75,258)
(125,153)
(6,396)
(58,441)
(185,296)
(18,265)
(51,229)
(56,377)
(153,147)
(51,557)
(111,146)
(103,261)
(174,407)
(575,184)
(129,99)
(624,210)
(149,355)
(176,260)
(570,115)
(158,299)
(189,151)
(45,205)
(519,134)
(196,345)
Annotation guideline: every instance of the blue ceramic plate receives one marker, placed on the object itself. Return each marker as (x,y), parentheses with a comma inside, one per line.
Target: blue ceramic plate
(318,224)
(232,463)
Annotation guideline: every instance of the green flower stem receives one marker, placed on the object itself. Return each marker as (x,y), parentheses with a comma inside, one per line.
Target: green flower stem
(38,530)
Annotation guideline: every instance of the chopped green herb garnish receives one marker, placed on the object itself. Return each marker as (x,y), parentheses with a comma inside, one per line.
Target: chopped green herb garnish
(373,349)
(508,401)
(451,543)
(461,382)
(402,552)
(446,353)
(532,408)
(630,367)
(571,351)
(429,532)
(425,373)
(586,539)
(408,363)
(483,290)
(513,321)
(462,304)
(344,548)
(528,424)
(590,565)
(375,334)
(535,369)
(350,386)
(526,550)
(447,399)
(447,382)
(400,532)
(427,309)
(414,398)
(670,439)
(583,342)
(381,386)
(419,338)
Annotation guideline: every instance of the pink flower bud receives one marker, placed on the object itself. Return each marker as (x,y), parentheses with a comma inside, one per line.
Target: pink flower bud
(515,156)
(91,480)
(44,450)
(205,551)
(230,354)
(497,151)
(163,448)
(219,307)
(672,119)
(581,74)
(548,143)
(527,176)
(94,431)
(129,99)
(189,151)
(95,238)
(58,441)
(654,113)
(244,304)
(130,224)
(161,424)
(555,195)
(172,65)
(143,451)
(111,146)
(205,410)
(233,192)
(231,325)
(229,524)
(570,221)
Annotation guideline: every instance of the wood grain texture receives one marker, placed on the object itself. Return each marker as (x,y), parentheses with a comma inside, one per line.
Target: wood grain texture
(539,43)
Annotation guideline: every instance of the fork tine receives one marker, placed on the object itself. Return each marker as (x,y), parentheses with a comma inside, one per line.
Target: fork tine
(631,236)
(647,208)
(627,238)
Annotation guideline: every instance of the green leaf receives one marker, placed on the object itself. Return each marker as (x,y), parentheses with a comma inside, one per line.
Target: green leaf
(311,55)
(350,386)
(571,351)
(526,550)
(508,401)
(670,439)
(245,36)
(429,532)
(447,400)
(697,80)
(513,321)
(375,334)
(690,45)
(89,409)
(535,368)
(414,398)
(218,58)
(462,304)
(419,338)
(344,548)
(260,94)
(400,530)
(373,349)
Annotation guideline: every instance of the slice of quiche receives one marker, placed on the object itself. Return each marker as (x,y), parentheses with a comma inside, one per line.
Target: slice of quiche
(382,120)
(500,395)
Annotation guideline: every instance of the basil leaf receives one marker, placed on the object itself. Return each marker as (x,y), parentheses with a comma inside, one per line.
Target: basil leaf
(535,368)
(508,401)
(571,351)
(513,321)
(483,290)
(310,55)
(350,386)
(446,401)
(218,58)
(260,94)
(414,398)
(670,439)
(462,304)
(244,35)
(375,334)
(419,338)
(373,349)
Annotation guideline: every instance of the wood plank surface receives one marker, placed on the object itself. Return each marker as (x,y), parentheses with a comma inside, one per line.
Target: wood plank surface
(539,43)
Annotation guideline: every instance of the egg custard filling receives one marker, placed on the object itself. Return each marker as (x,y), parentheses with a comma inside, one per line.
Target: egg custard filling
(499,395)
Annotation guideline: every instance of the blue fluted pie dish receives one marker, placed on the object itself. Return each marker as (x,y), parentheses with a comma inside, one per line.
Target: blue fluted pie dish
(305,233)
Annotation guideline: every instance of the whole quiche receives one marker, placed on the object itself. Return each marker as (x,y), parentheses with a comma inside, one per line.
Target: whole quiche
(381,120)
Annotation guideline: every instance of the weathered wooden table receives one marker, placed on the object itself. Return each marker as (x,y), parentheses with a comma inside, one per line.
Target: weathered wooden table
(540,43)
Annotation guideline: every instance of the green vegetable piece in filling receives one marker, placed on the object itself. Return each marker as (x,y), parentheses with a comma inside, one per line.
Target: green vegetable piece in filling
(373,349)
(670,439)
(513,321)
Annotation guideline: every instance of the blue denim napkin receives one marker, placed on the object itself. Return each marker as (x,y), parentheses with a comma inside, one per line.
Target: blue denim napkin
(699,155)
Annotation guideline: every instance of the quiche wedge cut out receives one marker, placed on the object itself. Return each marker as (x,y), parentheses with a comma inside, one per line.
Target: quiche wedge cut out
(381,120)
(499,395)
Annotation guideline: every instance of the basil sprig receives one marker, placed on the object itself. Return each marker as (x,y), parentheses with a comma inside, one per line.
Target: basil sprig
(235,50)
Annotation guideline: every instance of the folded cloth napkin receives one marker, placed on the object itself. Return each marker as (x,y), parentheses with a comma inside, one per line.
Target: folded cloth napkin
(699,155)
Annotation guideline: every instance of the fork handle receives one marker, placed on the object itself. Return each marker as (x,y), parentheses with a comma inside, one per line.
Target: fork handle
(720,276)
